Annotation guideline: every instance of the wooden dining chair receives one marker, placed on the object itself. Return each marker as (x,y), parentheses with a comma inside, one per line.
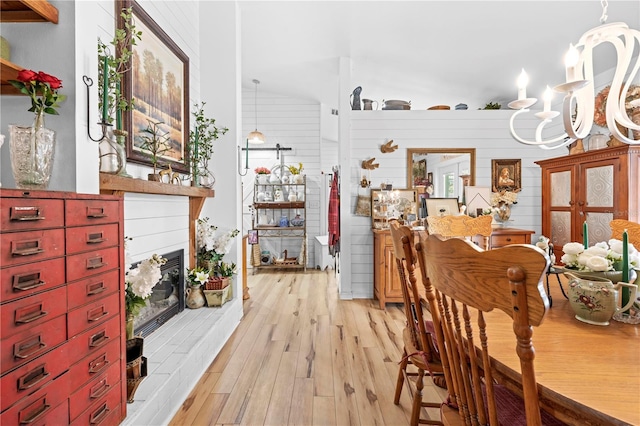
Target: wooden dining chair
(466,282)
(419,349)
(633,231)
(462,226)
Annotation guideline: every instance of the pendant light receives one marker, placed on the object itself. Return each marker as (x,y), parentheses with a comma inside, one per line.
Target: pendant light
(256,137)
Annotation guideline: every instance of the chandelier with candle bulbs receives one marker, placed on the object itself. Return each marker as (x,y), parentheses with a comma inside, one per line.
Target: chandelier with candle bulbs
(579,102)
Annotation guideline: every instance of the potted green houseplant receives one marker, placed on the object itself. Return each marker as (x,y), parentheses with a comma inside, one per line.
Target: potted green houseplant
(114,61)
(201,139)
(155,143)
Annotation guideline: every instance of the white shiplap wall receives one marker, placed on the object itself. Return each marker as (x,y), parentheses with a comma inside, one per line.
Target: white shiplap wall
(486,131)
(292,123)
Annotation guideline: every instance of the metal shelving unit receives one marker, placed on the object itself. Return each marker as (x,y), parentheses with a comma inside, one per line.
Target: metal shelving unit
(268,220)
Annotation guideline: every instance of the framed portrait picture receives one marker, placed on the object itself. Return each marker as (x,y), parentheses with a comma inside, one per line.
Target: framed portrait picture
(442,206)
(252,236)
(158,81)
(505,175)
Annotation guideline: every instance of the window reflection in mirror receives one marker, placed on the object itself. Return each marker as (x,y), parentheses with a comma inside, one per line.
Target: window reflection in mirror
(441,172)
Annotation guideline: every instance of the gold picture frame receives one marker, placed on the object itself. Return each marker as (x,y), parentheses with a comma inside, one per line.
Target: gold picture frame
(505,175)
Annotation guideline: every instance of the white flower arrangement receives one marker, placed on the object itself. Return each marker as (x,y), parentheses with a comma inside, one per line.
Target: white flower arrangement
(139,281)
(601,257)
(507,197)
(211,246)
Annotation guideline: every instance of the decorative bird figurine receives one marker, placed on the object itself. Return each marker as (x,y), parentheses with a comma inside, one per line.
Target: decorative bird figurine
(388,147)
(369,165)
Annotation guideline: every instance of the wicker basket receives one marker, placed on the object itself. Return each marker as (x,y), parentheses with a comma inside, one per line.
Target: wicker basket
(217,283)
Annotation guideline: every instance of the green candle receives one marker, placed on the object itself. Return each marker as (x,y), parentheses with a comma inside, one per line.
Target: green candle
(118,111)
(105,90)
(625,268)
(585,235)
(625,256)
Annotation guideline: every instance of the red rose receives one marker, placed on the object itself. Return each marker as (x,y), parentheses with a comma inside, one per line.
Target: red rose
(54,82)
(27,76)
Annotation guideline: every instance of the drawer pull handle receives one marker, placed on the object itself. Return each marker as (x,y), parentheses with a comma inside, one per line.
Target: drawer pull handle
(96,314)
(96,238)
(24,282)
(29,314)
(34,414)
(508,239)
(98,339)
(95,213)
(26,248)
(33,377)
(99,389)
(98,364)
(99,415)
(28,347)
(95,263)
(21,214)
(95,288)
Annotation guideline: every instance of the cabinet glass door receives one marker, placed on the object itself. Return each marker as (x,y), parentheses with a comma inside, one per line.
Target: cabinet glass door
(598,192)
(561,206)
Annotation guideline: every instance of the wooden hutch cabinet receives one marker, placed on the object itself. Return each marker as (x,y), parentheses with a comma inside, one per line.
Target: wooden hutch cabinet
(596,186)
(62,343)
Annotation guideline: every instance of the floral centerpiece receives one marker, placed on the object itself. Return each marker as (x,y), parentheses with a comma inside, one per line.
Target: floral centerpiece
(211,245)
(262,171)
(601,257)
(501,202)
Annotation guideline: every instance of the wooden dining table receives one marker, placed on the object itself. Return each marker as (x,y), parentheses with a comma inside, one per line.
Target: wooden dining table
(587,374)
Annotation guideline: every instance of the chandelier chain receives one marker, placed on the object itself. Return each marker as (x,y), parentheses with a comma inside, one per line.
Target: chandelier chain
(605,5)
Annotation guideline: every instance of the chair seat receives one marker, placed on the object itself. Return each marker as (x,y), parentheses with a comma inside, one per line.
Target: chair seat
(510,410)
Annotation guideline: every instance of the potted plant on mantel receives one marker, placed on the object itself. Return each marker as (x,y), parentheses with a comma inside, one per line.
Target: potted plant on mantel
(201,140)
(112,66)
(155,143)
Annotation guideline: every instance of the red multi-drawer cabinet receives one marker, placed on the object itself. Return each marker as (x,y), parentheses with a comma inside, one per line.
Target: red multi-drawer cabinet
(62,340)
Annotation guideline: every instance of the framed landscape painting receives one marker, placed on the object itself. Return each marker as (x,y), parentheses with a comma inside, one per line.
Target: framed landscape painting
(158,81)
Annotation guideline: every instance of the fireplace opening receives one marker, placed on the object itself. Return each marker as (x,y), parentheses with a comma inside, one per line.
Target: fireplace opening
(167,297)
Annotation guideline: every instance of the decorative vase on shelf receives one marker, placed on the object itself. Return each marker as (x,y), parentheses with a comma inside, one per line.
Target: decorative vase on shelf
(298,179)
(502,213)
(112,155)
(32,150)
(263,179)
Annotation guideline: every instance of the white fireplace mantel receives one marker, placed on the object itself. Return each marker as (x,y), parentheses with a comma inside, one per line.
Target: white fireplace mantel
(118,185)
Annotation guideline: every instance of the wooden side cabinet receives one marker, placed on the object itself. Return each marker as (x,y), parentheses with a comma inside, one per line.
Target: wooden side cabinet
(62,341)
(386,283)
(501,237)
(594,187)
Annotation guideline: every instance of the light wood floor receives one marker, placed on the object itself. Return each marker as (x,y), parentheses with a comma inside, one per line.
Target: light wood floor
(302,356)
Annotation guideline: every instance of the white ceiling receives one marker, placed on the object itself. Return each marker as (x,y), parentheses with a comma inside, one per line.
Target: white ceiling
(426,52)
